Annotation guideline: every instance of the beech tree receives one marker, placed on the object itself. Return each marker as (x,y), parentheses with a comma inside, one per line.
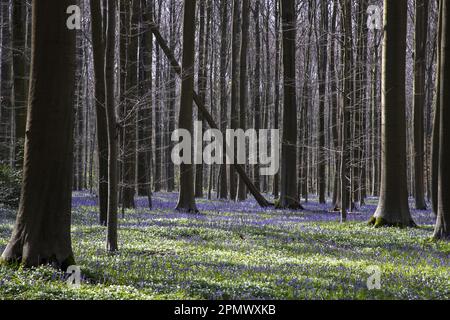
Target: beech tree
(420,41)
(19,71)
(288,196)
(393,208)
(186,200)
(41,234)
(98,38)
(111,122)
(442,229)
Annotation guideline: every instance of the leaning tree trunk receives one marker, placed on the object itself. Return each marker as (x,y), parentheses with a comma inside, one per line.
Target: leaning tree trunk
(393,206)
(420,60)
(442,229)
(207,116)
(288,196)
(186,200)
(41,234)
(102,134)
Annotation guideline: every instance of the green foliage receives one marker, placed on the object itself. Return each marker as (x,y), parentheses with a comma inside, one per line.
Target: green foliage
(237,255)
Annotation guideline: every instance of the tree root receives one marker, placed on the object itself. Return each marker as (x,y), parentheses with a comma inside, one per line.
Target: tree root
(380,223)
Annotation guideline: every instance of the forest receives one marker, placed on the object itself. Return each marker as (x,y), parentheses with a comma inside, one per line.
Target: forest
(225,149)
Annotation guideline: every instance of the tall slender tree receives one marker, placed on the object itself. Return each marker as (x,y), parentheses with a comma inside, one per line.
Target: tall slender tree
(186,200)
(201,85)
(20,76)
(347,57)
(257,88)
(234,115)
(323,60)
(111,122)
(130,99)
(276,112)
(223,185)
(420,61)
(102,133)
(243,85)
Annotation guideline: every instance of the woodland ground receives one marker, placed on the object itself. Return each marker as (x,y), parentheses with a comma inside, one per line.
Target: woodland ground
(238,251)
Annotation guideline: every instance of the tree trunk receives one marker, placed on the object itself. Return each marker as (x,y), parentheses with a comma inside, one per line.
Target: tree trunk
(335,110)
(323,60)
(102,133)
(223,187)
(186,200)
(145,109)
(442,229)
(234,115)
(420,60)
(436,121)
(6,86)
(158,121)
(393,206)
(172,97)
(41,234)
(347,56)
(208,117)
(257,88)
(129,121)
(201,85)
(276,120)
(19,74)
(288,197)
(111,122)
(243,85)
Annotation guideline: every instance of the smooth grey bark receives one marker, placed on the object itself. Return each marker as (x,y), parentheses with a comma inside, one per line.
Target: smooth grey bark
(257,88)
(442,229)
(201,85)
(234,115)
(41,234)
(145,116)
(130,98)
(186,200)
(322,68)
(276,112)
(347,100)
(111,122)
(98,48)
(223,185)
(393,209)
(420,60)
(436,121)
(243,83)
(288,196)
(19,74)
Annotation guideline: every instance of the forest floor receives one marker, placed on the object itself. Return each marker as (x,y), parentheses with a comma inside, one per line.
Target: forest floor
(238,251)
